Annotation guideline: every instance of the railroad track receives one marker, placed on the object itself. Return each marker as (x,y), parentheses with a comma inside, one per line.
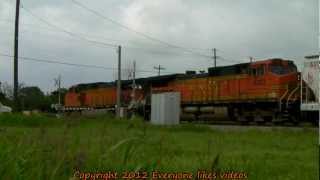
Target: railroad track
(224,121)
(261,128)
(227,122)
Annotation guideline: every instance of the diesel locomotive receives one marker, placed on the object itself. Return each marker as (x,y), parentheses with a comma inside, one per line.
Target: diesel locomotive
(262,91)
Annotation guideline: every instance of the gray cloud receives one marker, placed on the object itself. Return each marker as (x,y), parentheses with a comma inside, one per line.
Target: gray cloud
(238,29)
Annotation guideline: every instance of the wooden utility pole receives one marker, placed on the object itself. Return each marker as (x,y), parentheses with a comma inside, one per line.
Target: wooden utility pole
(159,68)
(215,56)
(58,85)
(16,49)
(134,82)
(119,83)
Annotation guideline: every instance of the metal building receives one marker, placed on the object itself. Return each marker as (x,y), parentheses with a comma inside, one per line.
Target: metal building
(165,108)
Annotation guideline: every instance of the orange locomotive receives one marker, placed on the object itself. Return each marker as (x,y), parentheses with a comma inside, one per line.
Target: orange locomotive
(98,96)
(261,91)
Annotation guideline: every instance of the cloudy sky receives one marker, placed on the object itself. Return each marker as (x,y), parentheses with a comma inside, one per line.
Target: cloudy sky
(238,29)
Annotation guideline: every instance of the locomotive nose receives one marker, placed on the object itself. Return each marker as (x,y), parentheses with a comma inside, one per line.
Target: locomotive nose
(289,78)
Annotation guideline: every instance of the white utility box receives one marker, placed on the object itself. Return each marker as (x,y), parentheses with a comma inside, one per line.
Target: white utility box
(165,108)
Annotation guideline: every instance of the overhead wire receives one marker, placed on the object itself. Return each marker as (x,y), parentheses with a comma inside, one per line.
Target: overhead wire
(27,24)
(50,28)
(42,60)
(224,52)
(78,37)
(67,32)
(81,37)
(230,60)
(141,49)
(135,31)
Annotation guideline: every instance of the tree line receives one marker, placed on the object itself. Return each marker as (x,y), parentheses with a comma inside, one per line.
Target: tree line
(30,97)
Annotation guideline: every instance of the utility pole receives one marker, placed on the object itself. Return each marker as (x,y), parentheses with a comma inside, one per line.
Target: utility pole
(119,83)
(159,68)
(58,85)
(134,82)
(16,48)
(251,59)
(215,56)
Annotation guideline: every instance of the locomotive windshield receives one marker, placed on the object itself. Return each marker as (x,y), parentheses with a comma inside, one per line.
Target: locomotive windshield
(281,69)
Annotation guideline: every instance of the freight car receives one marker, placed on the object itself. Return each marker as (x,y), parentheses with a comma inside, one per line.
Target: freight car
(262,91)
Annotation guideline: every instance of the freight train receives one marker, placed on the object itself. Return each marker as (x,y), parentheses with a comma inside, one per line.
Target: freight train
(261,92)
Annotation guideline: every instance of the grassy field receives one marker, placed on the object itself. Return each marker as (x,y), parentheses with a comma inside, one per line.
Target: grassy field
(41,147)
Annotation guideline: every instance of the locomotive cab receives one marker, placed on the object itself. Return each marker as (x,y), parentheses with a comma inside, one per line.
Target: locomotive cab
(274,72)
(281,67)
(275,80)
(275,67)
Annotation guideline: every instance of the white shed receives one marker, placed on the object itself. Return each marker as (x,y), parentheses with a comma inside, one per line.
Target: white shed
(165,108)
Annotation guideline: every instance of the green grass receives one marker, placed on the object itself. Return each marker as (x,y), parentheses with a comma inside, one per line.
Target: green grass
(41,147)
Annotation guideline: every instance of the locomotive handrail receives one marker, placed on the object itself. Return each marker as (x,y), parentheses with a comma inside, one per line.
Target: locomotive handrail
(282,97)
(289,97)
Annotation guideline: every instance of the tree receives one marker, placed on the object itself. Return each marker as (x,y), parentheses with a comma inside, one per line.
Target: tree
(4,100)
(7,89)
(6,93)
(54,96)
(32,98)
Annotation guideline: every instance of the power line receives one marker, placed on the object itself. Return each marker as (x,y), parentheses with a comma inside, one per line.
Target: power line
(57,62)
(123,26)
(107,38)
(93,41)
(135,31)
(66,63)
(50,28)
(224,52)
(103,43)
(155,51)
(8,21)
(233,61)
(67,32)
(54,30)
(141,49)
(146,50)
